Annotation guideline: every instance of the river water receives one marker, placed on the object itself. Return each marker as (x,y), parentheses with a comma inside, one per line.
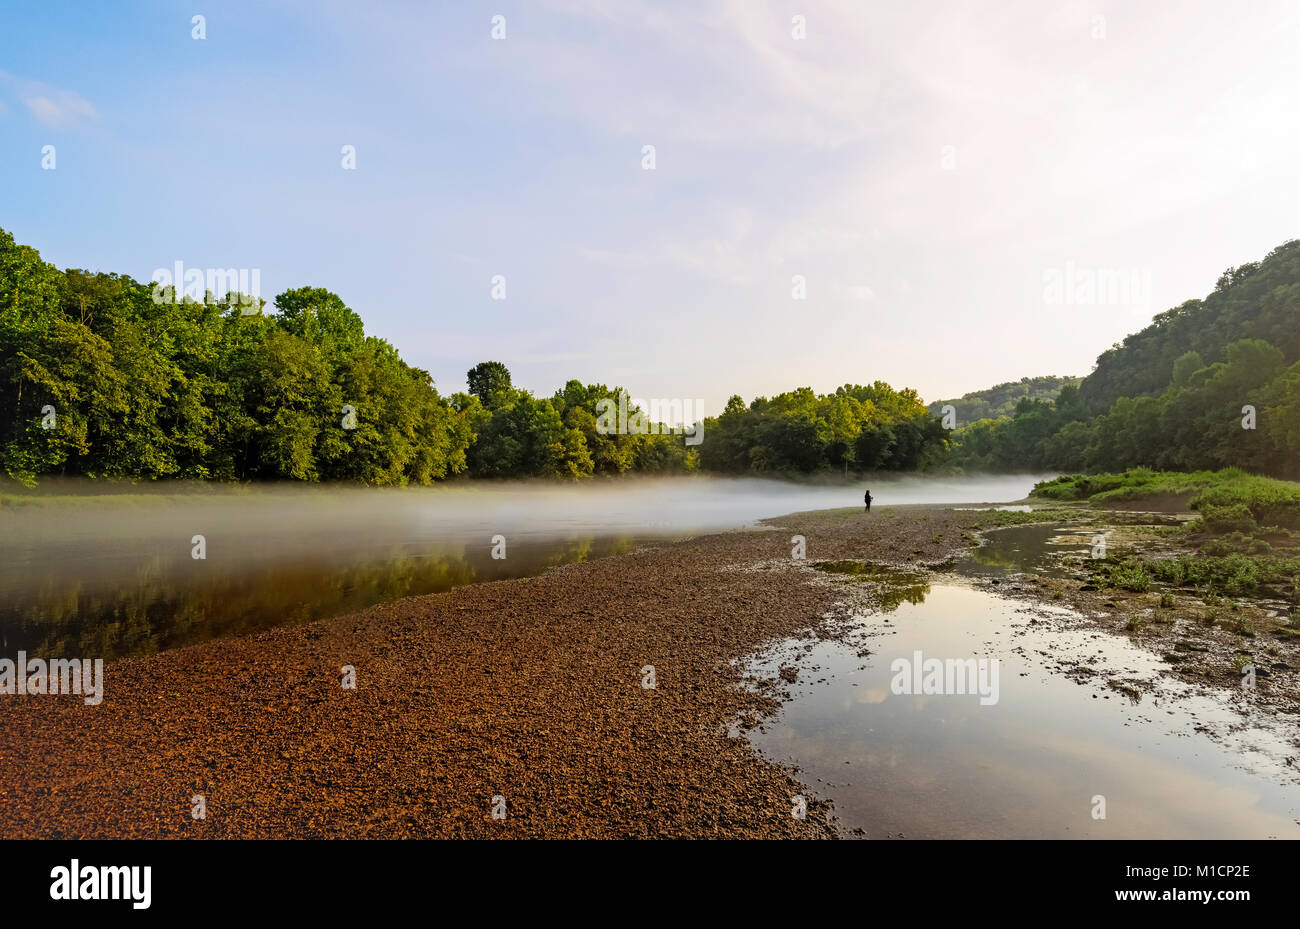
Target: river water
(1055,755)
(112,574)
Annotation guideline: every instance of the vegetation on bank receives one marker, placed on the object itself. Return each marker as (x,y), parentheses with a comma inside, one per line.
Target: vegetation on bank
(857,428)
(1133,484)
(1228,500)
(1246,540)
(1210,384)
(1001,400)
(105,377)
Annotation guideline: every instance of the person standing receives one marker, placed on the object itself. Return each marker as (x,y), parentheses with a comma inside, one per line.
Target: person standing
(866,498)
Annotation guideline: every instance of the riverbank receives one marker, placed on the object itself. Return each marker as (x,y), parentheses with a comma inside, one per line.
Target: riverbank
(529,690)
(1243,644)
(526,697)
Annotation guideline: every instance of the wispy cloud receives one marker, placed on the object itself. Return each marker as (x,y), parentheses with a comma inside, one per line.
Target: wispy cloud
(919,165)
(52,108)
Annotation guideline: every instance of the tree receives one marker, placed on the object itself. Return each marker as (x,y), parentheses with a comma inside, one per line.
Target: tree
(490,382)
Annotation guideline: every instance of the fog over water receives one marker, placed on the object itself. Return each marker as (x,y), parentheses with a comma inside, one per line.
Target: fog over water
(116,573)
(452,513)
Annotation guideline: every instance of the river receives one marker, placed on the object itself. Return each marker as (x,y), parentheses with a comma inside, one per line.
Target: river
(128,574)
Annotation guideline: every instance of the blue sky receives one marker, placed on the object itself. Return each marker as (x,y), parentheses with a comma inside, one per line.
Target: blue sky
(924,167)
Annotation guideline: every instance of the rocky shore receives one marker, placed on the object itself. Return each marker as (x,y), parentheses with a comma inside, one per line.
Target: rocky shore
(527,698)
(599,699)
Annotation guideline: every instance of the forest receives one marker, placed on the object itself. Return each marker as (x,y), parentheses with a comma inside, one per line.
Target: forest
(1209,384)
(1000,401)
(106,377)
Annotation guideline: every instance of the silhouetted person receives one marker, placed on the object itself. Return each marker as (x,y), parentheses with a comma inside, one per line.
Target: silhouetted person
(866,498)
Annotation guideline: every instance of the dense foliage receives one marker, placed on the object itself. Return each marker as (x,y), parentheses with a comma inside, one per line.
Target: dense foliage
(1001,400)
(99,378)
(857,428)
(1209,384)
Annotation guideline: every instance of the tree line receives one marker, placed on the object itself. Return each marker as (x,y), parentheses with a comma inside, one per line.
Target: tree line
(1000,401)
(106,377)
(1210,384)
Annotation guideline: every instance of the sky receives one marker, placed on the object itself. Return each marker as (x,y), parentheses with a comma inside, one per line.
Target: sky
(842,191)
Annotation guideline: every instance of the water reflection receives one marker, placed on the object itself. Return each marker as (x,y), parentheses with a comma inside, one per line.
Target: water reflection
(165,601)
(1034,549)
(893,588)
(112,574)
(1029,766)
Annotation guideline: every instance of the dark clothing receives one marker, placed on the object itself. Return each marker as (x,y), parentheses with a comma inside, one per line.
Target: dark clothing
(866,498)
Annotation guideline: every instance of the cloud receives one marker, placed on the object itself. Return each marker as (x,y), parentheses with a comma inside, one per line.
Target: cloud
(61,111)
(911,161)
(52,108)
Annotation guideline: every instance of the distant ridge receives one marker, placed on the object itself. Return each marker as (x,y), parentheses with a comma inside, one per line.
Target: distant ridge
(1000,401)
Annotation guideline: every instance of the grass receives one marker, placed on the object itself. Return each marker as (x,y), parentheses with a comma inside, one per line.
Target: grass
(996,519)
(1236,511)
(1130,574)
(1244,626)
(1267,502)
(1234,575)
(1133,484)
(1228,500)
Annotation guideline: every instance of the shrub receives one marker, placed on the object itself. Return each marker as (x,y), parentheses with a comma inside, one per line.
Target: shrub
(1131,575)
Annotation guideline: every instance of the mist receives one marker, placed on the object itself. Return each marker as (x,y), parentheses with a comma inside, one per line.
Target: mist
(330,516)
(136,570)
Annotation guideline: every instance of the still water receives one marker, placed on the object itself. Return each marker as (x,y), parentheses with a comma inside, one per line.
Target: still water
(113,575)
(1039,761)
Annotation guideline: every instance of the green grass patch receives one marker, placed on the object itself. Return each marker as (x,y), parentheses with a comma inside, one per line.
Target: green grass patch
(1130,574)
(1234,575)
(1133,484)
(1229,500)
(994,519)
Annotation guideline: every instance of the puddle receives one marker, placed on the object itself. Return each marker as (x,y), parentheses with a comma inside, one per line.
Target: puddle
(889,587)
(1079,715)
(1027,550)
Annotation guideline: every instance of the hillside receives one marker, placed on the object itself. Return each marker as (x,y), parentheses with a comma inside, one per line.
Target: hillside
(1000,401)
(1210,384)
(1259,300)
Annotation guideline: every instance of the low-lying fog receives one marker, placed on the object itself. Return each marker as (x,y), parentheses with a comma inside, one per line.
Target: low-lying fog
(459,512)
(125,573)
